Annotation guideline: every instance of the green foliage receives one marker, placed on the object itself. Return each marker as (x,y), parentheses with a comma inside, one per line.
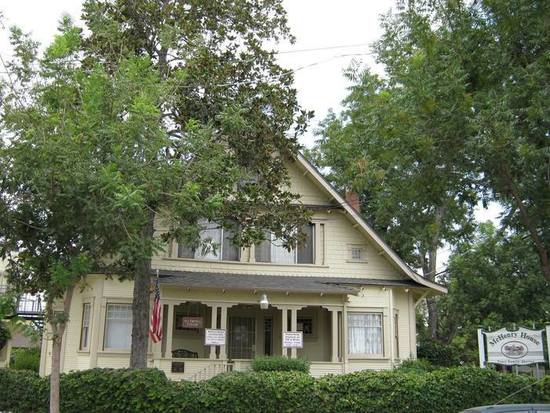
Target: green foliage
(279,363)
(25,359)
(5,334)
(445,390)
(438,354)
(417,366)
(495,282)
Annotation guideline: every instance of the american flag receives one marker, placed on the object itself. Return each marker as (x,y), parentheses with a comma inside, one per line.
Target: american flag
(155,331)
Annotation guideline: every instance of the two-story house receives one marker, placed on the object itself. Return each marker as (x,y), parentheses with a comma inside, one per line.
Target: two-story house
(344,300)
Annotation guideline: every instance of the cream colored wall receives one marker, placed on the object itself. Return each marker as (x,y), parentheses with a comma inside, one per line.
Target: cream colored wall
(335,236)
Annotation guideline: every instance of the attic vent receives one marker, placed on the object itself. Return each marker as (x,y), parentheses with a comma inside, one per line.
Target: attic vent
(356,253)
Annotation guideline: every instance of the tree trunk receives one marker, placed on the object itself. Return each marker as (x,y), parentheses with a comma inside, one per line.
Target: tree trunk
(58,329)
(140,304)
(526,220)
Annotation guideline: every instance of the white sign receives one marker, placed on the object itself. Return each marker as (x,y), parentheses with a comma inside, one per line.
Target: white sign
(214,337)
(523,346)
(293,339)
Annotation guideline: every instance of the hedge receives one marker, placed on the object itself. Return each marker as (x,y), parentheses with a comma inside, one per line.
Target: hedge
(25,359)
(446,390)
(279,363)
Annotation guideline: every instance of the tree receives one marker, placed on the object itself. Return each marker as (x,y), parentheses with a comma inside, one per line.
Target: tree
(399,142)
(226,118)
(494,283)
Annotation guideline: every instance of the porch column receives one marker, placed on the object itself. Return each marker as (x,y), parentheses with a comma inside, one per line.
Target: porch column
(392,326)
(335,332)
(293,327)
(214,325)
(169,331)
(223,326)
(284,323)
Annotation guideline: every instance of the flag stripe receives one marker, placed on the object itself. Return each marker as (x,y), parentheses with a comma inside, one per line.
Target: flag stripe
(155,330)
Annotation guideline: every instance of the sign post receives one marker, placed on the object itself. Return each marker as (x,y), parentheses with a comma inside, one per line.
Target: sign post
(481,347)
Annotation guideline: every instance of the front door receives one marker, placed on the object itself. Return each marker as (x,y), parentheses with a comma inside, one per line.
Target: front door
(242,337)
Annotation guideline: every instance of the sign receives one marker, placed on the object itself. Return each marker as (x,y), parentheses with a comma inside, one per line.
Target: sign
(519,347)
(189,322)
(214,337)
(293,339)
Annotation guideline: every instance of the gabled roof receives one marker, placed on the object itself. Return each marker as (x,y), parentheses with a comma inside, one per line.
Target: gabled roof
(354,216)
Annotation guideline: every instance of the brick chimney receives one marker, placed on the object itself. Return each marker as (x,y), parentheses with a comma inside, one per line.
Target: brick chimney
(352,198)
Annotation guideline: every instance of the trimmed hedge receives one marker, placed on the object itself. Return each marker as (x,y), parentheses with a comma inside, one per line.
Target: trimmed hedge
(105,390)
(279,363)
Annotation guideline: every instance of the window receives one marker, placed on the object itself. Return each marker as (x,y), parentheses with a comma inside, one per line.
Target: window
(305,325)
(220,244)
(365,334)
(118,326)
(356,254)
(272,250)
(84,333)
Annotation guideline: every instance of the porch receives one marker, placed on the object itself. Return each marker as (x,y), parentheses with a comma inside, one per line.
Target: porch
(247,329)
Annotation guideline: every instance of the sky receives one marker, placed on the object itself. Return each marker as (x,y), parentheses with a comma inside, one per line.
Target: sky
(344,29)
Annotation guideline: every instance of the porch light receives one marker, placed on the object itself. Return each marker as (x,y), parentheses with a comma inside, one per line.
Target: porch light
(264,304)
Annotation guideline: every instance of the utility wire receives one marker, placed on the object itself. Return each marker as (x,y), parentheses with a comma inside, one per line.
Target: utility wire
(314,49)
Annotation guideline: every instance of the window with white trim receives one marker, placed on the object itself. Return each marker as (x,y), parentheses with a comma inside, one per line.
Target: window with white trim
(85,330)
(272,249)
(118,326)
(365,334)
(216,244)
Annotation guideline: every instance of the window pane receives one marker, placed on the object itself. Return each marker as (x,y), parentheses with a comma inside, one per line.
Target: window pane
(281,255)
(185,252)
(86,310)
(211,234)
(263,250)
(365,333)
(305,250)
(118,326)
(230,251)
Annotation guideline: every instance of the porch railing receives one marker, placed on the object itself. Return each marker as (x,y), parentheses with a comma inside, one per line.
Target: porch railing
(211,371)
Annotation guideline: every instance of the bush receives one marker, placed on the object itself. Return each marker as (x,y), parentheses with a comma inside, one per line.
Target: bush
(438,354)
(417,366)
(445,390)
(5,334)
(25,359)
(278,363)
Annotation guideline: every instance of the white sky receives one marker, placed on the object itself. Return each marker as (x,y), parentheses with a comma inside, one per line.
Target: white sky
(315,23)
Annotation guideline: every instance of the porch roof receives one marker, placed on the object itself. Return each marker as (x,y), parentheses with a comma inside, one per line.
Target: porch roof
(282,283)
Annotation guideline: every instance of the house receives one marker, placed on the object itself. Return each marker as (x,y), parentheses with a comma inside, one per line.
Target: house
(344,300)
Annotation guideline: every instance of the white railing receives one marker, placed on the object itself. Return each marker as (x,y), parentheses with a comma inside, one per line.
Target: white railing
(212,370)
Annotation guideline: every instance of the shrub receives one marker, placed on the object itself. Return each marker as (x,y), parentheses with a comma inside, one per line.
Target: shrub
(445,390)
(5,334)
(25,359)
(416,366)
(278,363)
(438,354)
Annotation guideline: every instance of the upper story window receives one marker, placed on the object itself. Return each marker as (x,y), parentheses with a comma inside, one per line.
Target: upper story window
(272,250)
(220,244)
(85,330)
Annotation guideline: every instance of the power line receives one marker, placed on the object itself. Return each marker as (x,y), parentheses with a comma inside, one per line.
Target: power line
(314,49)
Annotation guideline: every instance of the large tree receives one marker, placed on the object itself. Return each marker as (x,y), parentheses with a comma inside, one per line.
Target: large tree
(399,142)
(494,282)
(227,118)
(458,115)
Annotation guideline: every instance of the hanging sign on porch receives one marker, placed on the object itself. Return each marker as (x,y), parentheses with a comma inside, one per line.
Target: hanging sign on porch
(189,322)
(214,337)
(293,339)
(519,347)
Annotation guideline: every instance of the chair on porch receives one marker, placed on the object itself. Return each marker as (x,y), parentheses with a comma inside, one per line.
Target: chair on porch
(182,353)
